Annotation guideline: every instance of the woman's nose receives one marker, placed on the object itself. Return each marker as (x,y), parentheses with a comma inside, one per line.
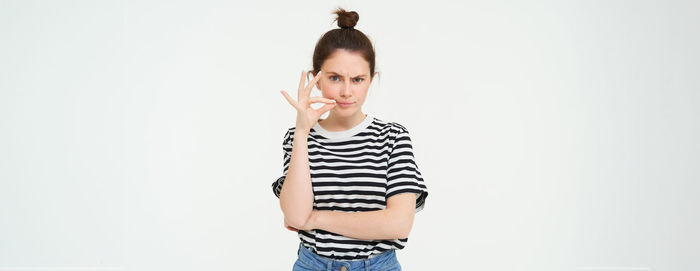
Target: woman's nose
(346,89)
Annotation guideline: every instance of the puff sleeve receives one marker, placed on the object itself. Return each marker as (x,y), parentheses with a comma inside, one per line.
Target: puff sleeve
(286,157)
(403,175)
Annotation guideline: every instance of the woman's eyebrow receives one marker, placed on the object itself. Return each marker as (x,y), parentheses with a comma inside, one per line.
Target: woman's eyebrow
(361,75)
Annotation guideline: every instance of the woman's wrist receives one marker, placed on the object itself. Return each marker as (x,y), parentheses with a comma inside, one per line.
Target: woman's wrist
(303,132)
(300,137)
(301,129)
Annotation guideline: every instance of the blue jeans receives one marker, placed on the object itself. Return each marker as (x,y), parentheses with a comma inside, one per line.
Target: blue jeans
(308,260)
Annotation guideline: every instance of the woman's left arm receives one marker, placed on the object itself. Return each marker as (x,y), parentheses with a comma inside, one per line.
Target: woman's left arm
(394,222)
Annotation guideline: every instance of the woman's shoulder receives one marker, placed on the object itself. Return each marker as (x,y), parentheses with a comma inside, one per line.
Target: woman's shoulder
(289,135)
(393,126)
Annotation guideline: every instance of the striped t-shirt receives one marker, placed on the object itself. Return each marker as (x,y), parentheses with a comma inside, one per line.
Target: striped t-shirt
(356,170)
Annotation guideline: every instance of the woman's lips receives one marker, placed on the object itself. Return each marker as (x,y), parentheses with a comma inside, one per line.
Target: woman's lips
(344,104)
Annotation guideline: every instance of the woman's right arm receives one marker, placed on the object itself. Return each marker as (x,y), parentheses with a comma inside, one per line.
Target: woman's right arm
(296,195)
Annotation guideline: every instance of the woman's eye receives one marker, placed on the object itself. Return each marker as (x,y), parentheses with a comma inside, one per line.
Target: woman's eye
(333,77)
(358,80)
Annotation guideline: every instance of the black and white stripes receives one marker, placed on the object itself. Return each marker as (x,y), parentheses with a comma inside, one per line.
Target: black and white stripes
(353,171)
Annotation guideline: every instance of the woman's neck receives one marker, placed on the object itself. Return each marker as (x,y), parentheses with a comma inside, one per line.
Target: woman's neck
(335,124)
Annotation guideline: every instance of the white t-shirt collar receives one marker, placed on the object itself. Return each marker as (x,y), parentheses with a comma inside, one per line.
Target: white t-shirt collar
(346,133)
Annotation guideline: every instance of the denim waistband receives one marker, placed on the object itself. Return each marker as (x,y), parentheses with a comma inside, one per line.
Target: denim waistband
(307,255)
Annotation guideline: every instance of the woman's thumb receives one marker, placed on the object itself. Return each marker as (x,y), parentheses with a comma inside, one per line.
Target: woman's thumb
(325,108)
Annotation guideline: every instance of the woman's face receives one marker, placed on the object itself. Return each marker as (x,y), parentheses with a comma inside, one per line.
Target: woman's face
(345,78)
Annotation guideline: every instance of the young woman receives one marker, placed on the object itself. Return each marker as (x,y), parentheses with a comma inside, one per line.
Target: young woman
(350,184)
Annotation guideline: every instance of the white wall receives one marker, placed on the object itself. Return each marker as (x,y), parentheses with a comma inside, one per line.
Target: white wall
(552,135)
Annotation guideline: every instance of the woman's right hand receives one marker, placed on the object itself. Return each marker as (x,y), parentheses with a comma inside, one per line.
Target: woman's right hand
(306,115)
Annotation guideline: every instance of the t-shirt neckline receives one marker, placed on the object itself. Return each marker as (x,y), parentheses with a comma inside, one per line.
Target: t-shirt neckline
(346,133)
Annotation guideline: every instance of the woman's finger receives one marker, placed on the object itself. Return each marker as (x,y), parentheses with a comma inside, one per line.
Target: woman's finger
(319,99)
(289,99)
(302,80)
(324,109)
(311,84)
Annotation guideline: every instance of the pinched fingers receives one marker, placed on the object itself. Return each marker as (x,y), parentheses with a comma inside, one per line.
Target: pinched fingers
(324,109)
(319,99)
(304,92)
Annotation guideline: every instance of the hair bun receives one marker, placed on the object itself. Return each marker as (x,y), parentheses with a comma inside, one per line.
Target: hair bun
(346,19)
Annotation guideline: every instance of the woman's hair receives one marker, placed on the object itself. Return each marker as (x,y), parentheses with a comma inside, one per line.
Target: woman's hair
(345,37)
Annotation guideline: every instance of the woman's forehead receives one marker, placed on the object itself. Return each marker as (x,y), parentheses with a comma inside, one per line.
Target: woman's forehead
(346,64)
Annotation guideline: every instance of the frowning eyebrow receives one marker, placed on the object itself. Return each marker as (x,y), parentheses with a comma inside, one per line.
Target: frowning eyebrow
(358,76)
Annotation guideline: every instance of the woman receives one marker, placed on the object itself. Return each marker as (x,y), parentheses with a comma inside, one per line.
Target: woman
(350,185)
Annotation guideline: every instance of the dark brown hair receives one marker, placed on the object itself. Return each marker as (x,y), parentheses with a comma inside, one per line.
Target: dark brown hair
(346,37)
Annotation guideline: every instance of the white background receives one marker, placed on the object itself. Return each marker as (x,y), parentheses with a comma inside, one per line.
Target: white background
(552,135)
